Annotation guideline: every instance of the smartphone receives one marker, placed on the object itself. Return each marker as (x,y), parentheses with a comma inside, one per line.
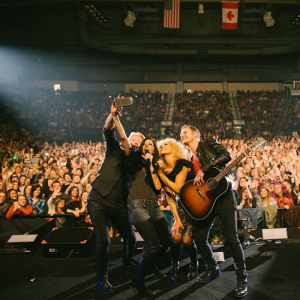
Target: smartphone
(125,101)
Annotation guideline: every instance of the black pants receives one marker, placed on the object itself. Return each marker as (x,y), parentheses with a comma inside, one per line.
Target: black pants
(226,210)
(101,215)
(150,222)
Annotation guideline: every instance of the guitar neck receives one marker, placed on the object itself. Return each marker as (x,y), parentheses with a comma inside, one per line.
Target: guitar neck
(231,166)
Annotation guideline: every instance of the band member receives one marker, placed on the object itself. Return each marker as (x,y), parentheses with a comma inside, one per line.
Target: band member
(174,171)
(144,212)
(207,154)
(107,203)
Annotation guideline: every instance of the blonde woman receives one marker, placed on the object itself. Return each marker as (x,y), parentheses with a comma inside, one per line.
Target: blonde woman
(266,199)
(174,170)
(269,205)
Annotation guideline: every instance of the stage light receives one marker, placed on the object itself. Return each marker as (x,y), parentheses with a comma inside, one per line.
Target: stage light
(296,20)
(201,8)
(130,19)
(269,19)
(95,14)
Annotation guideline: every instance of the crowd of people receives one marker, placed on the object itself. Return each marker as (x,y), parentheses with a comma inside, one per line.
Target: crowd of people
(75,116)
(25,117)
(66,116)
(43,177)
(292,120)
(260,110)
(275,166)
(208,110)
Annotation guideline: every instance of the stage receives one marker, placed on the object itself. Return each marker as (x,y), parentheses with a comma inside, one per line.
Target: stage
(273,274)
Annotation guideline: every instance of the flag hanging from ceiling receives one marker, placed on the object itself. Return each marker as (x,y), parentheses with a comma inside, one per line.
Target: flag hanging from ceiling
(172,14)
(230,15)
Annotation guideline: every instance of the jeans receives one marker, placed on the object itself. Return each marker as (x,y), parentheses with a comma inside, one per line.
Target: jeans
(149,220)
(226,210)
(101,215)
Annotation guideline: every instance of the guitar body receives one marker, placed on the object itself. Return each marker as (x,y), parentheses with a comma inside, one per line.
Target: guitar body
(199,201)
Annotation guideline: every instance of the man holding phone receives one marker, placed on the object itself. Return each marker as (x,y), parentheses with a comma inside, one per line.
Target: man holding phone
(107,203)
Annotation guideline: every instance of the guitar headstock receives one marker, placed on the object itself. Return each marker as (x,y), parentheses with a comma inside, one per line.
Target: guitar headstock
(258,142)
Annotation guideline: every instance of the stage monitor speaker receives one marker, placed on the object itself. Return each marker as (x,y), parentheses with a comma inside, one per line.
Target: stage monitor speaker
(274,234)
(68,241)
(25,243)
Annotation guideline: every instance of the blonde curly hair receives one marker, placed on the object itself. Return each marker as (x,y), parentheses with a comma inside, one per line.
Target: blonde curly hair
(179,150)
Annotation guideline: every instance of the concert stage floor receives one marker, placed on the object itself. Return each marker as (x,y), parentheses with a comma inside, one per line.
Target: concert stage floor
(273,274)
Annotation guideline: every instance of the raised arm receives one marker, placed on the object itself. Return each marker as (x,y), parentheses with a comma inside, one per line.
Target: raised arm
(109,123)
(115,113)
(179,180)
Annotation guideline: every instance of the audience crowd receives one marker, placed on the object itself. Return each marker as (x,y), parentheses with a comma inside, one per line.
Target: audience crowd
(292,120)
(68,116)
(260,110)
(43,177)
(209,110)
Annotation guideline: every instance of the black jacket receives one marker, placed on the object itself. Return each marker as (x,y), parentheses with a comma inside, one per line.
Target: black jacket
(110,170)
(212,154)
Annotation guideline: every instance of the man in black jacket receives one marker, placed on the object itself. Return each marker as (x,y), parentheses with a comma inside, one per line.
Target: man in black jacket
(107,203)
(206,154)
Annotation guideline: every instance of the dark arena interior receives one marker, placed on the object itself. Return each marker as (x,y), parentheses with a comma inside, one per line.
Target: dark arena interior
(228,70)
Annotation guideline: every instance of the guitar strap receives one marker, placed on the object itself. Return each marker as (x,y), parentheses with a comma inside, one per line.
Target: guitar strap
(196,163)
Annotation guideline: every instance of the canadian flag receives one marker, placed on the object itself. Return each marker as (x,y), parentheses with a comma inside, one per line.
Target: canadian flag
(230,15)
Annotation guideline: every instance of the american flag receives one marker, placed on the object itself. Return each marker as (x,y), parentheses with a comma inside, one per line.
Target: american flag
(172,14)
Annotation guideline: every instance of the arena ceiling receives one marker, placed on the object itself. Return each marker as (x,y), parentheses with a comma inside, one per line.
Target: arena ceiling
(66,38)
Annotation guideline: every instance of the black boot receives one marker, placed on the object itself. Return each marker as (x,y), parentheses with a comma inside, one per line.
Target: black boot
(147,261)
(193,271)
(192,252)
(175,271)
(175,253)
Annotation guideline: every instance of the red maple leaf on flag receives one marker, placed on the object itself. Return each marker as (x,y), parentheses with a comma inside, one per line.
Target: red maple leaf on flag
(230,15)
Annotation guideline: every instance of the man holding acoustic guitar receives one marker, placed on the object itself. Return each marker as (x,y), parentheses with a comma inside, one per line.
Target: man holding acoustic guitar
(207,196)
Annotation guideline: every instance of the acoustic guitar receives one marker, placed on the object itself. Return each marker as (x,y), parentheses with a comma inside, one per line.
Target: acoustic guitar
(199,201)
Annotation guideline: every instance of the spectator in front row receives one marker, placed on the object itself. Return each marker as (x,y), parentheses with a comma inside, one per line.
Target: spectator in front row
(285,201)
(36,201)
(269,205)
(266,199)
(246,199)
(20,208)
(60,208)
(11,196)
(4,206)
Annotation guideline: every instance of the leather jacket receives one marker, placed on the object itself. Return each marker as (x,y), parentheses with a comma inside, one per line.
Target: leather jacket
(212,154)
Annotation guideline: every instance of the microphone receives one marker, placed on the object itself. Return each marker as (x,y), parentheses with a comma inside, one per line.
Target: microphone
(148,159)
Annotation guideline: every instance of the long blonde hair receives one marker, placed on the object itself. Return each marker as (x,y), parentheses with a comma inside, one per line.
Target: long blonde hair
(178,149)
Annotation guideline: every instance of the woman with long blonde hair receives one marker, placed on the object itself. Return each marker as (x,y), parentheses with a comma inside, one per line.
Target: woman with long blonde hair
(266,199)
(174,170)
